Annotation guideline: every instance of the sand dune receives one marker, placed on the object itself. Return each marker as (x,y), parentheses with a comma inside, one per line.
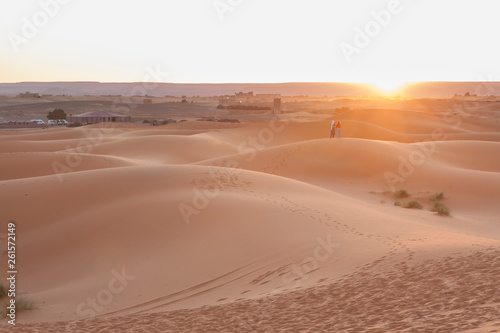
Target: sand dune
(164,148)
(436,297)
(257,227)
(420,167)
(20,165)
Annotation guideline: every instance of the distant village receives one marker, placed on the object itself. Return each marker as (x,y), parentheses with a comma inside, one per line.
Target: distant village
(239,103)
(239,97)
(230,106)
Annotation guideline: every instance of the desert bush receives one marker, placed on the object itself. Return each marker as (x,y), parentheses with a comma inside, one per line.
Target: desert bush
(397,203)
(437,196)
(401,194)
(21,304)
(413,204)
(441,209)
(3,290)
(24,304)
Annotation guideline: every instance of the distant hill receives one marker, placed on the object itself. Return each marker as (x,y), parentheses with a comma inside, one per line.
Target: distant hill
(415,90)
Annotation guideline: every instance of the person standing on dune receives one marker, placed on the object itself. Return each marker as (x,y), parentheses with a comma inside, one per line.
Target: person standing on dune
(338,127)
(332,129)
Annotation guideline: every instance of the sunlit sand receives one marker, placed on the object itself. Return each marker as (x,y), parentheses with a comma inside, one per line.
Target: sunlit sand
(262,226)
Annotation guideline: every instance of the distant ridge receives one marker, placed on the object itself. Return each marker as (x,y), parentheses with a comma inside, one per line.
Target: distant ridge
(316,89)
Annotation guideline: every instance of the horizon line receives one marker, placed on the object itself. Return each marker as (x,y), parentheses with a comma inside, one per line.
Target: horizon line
(283,82)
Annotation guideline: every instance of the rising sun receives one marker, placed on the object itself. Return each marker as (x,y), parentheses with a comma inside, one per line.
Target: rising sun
(387,87)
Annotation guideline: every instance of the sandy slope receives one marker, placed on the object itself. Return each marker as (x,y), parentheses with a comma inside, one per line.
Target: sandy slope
(456,167)
(20,165)
(256,227)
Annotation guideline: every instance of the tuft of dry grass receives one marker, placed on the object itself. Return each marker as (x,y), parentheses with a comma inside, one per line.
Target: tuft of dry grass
(413,204)
(441,209)
(20,305)
(401,194)
(437,197)
(3,290)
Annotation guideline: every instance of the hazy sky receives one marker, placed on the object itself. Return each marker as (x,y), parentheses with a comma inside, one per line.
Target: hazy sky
(385,41)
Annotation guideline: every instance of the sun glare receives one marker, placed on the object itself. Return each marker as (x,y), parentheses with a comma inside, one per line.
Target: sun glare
(388,87)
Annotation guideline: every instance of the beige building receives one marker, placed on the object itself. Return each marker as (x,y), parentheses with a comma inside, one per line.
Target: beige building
(265,98)
(277,106)
(99,117)
(29,95)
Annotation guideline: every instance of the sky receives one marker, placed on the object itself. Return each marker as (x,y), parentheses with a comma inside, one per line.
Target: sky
(384,42)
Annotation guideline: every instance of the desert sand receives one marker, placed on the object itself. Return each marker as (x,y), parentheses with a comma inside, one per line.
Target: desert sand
(263,226)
